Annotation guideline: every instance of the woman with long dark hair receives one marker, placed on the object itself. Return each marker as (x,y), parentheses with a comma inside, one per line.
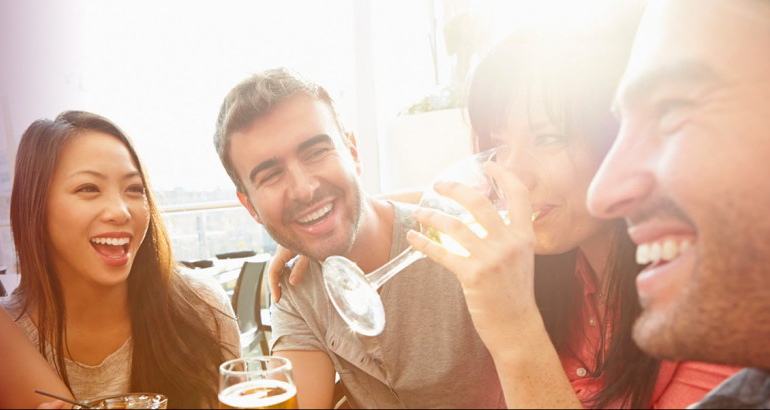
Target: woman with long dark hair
(552,292)
(100,294)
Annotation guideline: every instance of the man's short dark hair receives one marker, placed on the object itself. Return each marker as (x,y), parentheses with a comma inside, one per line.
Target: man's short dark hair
(254,98)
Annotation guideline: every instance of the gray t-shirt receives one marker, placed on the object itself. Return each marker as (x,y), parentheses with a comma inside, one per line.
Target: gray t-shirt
(429,354)
(747,389)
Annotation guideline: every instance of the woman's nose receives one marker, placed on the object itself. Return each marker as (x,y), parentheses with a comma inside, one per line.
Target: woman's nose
(521,162)
(116,210)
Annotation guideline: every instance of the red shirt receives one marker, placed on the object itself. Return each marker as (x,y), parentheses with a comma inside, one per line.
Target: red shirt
(679,384)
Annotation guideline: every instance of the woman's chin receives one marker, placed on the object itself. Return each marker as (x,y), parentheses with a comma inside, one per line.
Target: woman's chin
(549,246)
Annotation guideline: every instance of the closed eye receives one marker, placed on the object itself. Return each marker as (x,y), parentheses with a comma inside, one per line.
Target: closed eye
(317,153)
(270,176)
(671,113)
(136,189)
(543,140)
(87,188)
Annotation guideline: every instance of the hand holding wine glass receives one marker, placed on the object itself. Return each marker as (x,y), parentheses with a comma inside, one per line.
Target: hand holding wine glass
(354,294)
(497,275)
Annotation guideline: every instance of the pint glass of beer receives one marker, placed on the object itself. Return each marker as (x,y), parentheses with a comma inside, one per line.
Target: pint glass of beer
(258,382)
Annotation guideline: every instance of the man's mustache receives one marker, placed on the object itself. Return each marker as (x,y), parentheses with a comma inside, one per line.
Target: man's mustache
(296,208)
(660,208)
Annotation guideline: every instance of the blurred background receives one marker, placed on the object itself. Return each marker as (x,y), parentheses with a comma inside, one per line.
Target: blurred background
(397,69)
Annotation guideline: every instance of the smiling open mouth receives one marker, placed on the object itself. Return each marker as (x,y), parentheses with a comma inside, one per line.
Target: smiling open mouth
(112,248)
(316,216)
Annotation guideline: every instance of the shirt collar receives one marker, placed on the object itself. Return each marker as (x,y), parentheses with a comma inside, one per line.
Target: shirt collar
(585,274)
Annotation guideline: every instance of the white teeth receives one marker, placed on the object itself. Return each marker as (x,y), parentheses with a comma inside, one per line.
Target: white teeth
(315,215)
(111,241)
(654,252)
(669,250)
(643,254)
(535,215)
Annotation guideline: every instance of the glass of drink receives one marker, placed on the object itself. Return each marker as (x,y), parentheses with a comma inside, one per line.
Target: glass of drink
(257,382)
(354,294)
(128,401)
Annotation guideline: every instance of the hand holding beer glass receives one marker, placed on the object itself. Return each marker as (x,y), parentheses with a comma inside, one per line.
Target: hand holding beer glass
(258,382)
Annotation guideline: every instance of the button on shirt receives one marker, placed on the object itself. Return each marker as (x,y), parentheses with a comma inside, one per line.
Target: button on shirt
(678,385)
(429,354)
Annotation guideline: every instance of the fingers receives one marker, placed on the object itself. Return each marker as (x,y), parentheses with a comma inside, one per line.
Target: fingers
(439,254)
(516,194)
(299,270)
(273,278)
(274,271)
(462,238)
(477,203)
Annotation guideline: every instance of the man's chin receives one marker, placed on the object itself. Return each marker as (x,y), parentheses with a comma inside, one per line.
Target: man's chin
(652,332)
(320,253)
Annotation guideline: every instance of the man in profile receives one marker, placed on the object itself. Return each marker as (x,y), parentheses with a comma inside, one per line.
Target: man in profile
(296,170)
(689,171)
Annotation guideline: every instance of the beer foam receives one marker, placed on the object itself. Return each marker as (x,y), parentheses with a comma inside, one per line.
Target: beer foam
(234,396)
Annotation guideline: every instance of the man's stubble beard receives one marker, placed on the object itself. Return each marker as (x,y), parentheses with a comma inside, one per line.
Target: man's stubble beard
(294,244)
(724,312)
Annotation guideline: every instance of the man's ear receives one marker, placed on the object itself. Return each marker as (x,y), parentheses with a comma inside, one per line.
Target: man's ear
(244,199)
(354,152)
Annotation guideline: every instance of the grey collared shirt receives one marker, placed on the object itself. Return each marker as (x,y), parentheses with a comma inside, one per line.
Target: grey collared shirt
(747,389)
(429,354)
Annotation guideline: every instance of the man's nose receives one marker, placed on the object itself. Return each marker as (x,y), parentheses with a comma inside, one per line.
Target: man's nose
(623,181)
(303,184)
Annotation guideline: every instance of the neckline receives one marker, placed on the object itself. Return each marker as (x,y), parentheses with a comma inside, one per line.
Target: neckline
(104,361)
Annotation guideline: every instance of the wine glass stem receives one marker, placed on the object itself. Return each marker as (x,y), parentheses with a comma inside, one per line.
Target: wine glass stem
(383,274)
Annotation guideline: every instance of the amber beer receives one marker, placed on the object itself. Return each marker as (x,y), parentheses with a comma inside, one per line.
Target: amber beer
(259,394)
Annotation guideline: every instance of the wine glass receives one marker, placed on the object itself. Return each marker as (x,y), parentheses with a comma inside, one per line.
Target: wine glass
(354,294)
(257,382)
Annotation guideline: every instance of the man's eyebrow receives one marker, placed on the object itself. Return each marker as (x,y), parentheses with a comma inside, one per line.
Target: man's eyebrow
(318,139)
(268,163)
(689,73)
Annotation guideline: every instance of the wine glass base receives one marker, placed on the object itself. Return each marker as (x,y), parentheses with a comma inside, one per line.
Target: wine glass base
(355,299)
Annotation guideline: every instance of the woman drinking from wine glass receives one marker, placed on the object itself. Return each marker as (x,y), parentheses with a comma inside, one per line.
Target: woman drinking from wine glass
(552,293)
(100,294)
